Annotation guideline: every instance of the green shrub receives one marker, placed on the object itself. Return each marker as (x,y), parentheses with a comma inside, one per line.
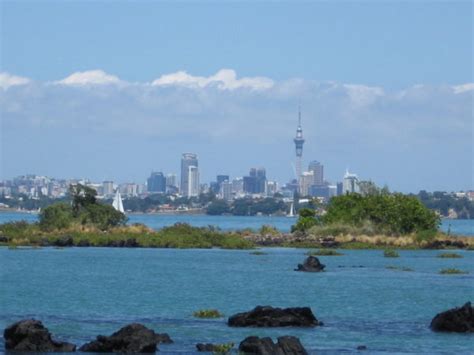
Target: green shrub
(425,235)
(390,253)
(257,252)
(324,252)
(268,230)
(208,313)
(223,348)
(453,272)
(450,256)
(55,217)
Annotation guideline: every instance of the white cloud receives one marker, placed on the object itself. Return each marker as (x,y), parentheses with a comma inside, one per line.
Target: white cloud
(362,95)
(89,77)
(459,89)
(224,79)
(7,80)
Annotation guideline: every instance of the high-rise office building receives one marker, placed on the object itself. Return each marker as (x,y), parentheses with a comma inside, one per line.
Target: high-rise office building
(226,190)
(156,182)
(255,183)
(306,181)
(187,160)
(318,172)
(350,183)
(238,185)
(193,181)
(108,188)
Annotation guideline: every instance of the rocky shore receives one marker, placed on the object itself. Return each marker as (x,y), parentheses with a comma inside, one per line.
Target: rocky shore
(32,336)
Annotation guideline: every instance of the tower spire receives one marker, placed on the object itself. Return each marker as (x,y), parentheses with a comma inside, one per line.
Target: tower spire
(299,141)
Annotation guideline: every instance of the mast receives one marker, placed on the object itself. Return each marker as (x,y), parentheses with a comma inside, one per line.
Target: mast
(299,141)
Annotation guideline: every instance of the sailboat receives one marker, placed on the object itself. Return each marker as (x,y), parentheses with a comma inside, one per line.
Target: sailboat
(118,204)
(291,214)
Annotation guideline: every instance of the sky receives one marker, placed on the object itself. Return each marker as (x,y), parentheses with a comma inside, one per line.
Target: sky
(115,89)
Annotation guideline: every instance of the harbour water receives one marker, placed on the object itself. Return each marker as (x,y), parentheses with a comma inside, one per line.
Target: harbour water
(156,221)
(79,293)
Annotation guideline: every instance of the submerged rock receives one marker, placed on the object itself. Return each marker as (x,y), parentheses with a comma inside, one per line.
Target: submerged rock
(267,316)
(286,345)
(31,335)
(133,338)
(311,264)
(460,320)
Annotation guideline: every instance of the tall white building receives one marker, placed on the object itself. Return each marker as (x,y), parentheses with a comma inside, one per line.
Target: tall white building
(225,191)
(318,172)
(188,160)
(306,180)
(350,183)
(193,181)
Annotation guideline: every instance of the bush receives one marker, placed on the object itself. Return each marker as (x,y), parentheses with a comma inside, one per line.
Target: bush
(390,253)
(306,220)
(268,230)
(55,217)
(208,313)
(390,213)
(425,235)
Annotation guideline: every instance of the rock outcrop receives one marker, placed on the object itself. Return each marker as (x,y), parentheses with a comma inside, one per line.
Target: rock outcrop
(286,345)
(311,264)
(267,316)
(31,335)
(460,320)
(133,338)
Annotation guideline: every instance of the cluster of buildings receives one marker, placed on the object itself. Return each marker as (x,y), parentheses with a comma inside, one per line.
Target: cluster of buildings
(307,183)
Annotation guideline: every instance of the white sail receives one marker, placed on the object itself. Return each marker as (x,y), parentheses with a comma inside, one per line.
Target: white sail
(118,204)
(292,211)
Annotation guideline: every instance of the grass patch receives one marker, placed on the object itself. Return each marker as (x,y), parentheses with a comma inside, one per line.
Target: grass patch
(390,253)
(398,268)
(223,348)
(453,272)
(208,313)
(324,252)
(449,256)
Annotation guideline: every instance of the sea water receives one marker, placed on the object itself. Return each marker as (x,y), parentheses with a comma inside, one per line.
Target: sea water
(79,293)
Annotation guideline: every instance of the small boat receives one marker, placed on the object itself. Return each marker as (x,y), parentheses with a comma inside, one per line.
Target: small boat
(291,214)
(117,203)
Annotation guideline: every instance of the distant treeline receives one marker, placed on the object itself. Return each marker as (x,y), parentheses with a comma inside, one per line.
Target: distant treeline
(443,203)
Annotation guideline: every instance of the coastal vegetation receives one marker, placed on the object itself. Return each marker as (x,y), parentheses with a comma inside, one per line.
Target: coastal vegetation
(450,256)
(208,313)
(390,253)
(324,252)
(452,271)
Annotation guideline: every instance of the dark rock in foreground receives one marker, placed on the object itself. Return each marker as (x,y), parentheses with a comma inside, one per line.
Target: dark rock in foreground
(460,320)
(267,316)
(286,345)
(311,264)
(31,335)
(133,338)
(207,347)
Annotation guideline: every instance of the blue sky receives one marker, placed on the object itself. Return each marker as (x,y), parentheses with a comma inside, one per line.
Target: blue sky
(384,88)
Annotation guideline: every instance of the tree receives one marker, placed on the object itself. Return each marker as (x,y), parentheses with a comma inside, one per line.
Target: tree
(306,220)
(218,207)
(57,216)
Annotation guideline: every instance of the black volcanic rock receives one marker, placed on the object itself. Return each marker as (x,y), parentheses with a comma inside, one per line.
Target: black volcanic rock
(286,345)
(206,347)
(311,264)
(460,320)
(31,335)
(133,338)
(267,316)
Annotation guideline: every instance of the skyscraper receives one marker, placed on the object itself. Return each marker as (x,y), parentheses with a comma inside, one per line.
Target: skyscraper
(318,170)
(350,183)
(299,141)
(156,182)
(193,181)
(187,160)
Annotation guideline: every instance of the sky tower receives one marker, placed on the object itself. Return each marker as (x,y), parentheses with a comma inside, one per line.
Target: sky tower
(299,140)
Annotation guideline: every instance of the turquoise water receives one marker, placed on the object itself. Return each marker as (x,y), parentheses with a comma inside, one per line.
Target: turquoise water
(81,292)
(460,227)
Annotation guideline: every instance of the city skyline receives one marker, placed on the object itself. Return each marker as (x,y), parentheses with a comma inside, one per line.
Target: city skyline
(124,101)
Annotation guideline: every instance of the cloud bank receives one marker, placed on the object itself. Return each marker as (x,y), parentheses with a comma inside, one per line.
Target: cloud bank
(96,124)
